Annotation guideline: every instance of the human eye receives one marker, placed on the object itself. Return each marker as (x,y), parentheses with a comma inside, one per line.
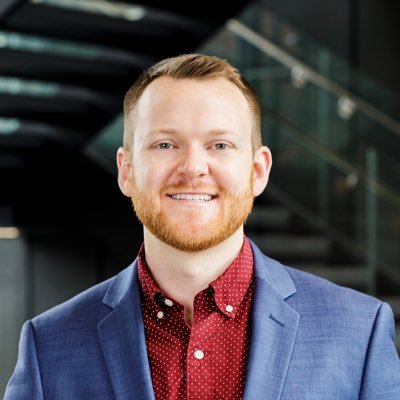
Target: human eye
(221,146)
(164,146)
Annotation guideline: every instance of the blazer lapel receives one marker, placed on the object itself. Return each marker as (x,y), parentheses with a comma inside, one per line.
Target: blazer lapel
(122,339)
(274,328)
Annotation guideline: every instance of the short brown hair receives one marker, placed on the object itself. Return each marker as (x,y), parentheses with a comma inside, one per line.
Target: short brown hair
(192,66)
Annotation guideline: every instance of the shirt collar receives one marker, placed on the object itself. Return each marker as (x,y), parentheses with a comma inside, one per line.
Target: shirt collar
(147,282)
(154,300)
(229,288)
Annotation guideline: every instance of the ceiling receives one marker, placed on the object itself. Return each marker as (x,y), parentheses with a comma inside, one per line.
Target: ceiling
(64,68)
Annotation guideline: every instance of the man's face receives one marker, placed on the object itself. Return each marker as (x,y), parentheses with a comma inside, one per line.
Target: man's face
(192,165)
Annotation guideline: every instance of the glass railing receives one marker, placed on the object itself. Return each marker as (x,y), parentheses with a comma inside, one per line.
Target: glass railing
(319,57)
(334,150)
(103,148)
(311,100)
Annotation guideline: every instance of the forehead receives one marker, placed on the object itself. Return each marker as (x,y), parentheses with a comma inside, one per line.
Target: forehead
(217,100)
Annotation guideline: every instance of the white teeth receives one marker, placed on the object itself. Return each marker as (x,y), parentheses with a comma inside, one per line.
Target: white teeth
(199,197)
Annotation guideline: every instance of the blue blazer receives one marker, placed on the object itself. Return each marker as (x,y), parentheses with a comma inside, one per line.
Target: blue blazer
(311,340)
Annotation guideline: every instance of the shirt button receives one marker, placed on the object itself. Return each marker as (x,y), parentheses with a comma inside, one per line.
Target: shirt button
(229,308)
(168,302)
(160,315)
(199,354)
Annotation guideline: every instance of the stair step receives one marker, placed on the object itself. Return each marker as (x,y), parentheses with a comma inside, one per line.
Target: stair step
(344,275)
(268,217)
(283,245)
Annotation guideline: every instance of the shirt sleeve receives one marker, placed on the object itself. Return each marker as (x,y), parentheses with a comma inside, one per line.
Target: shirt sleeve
(381,379)
(25,383)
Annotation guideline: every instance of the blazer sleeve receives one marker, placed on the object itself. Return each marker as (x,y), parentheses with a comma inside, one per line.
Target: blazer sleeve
(25,383)
(381,379)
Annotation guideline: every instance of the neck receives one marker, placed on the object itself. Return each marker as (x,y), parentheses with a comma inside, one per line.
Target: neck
(181,275)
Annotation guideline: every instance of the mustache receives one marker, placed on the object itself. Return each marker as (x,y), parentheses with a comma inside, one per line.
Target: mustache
(187,187)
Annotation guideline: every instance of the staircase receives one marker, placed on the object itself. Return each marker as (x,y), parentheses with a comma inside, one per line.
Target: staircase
(284,236)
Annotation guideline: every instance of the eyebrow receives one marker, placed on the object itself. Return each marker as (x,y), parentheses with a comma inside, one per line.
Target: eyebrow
(168,131)
(219,132)
(173,131)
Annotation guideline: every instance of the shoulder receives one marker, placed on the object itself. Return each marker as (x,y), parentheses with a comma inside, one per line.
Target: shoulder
(86,307)
(312,289)
(335,309)
(302,289)
(339,316)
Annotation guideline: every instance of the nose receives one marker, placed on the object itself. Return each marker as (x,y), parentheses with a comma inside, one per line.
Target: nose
(193,163)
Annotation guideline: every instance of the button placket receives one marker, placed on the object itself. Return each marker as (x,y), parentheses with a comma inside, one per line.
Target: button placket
(199,372)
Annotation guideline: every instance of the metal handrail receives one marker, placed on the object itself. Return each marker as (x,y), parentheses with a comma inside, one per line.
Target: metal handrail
(334,159)
(272,50)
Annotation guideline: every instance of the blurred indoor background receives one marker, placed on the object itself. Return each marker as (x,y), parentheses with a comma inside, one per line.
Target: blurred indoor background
(327,74)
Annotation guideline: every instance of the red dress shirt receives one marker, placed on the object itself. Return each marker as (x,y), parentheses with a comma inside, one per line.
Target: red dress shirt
(206,360)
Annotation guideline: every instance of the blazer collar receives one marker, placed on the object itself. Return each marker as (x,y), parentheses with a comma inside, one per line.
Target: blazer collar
(272,273)
(122,338)
(274,329)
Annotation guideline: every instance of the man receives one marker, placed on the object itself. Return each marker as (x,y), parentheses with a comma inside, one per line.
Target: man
(202,313)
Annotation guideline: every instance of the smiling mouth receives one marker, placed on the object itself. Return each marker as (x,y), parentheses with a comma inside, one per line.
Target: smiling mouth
(192,197)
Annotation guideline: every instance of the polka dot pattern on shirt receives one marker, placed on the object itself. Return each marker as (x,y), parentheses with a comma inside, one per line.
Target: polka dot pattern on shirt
(206,360)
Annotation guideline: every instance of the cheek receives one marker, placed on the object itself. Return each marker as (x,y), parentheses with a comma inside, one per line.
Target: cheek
(142,172)
(234,179)
(150,178)
(152,171)
(144,180)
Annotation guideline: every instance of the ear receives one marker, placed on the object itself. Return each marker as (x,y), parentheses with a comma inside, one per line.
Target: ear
(124,164)
(262,164)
